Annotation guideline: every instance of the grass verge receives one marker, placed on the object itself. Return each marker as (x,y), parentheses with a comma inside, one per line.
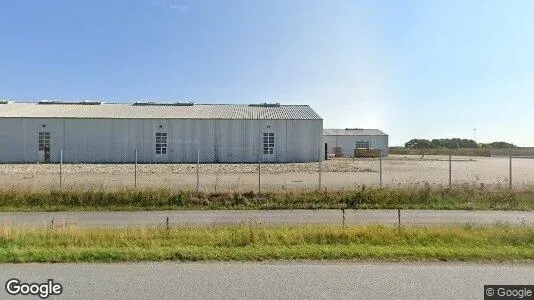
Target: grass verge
(249,242)
(461,197)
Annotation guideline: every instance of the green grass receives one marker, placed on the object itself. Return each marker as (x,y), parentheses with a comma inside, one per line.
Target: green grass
(461,197)
(249,242)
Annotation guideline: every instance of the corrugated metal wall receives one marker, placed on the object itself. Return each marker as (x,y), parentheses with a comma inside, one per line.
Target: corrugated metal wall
(115,140)
(347,143)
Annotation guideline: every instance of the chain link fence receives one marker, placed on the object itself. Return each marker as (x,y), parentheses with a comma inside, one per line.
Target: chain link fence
(205,171)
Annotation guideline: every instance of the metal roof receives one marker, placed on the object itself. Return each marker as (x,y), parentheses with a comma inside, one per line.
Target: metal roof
(352,131)
(129,111)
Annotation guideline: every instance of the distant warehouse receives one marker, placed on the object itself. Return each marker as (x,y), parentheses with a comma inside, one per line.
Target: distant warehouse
(344,142)
(97,132)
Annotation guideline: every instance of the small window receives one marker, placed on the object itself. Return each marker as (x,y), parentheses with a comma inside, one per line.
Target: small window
(361,144)
(161,143)
(268,143)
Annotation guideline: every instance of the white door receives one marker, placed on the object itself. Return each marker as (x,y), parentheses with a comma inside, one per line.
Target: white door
(161,147)
(43,142)
(268,147)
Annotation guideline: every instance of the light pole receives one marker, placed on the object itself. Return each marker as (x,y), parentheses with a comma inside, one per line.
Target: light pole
(475,133)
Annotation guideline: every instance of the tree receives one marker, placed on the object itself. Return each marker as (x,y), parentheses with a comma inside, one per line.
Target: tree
(463,143)
(441,143)
(502,145)
(419,144)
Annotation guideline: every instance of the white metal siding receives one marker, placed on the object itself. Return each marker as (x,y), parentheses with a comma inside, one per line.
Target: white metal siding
(115,140)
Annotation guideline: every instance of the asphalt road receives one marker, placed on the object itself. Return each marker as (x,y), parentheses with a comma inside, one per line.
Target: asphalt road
(270,217)
(278,280)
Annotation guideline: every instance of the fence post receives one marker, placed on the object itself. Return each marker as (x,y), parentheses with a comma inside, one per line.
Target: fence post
(198,169)
(450,171)
(259,171)
(135,169)
(320,173)
(60,168)
(510,155)
(380,155)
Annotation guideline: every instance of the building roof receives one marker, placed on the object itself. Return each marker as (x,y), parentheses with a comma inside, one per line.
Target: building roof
(150,110)
(352,131)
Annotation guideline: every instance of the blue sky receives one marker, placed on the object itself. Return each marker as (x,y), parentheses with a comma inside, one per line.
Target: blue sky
(414,69)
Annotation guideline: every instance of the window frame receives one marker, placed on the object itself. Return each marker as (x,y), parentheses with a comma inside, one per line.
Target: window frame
(362,145)
(43,140)
(161,143)
(268,142)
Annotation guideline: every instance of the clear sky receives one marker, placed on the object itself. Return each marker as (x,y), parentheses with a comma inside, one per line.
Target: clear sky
(414,69)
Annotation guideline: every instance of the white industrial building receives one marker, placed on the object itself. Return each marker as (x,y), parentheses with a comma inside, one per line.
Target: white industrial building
(348,139)
(97,132)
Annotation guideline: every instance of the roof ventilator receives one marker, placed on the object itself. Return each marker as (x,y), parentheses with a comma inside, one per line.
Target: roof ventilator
(266,104)
(150,103)
(49,102)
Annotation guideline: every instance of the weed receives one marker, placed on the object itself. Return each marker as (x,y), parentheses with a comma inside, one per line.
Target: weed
(422,197)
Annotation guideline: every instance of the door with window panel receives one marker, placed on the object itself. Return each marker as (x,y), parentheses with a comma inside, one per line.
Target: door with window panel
(43,142)
(161,147)
(269,147)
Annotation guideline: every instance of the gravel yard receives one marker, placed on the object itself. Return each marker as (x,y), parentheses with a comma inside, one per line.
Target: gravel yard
(397,170)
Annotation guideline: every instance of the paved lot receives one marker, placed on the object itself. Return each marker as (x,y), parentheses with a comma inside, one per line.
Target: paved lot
(273,217)
(398,170)
(271,280)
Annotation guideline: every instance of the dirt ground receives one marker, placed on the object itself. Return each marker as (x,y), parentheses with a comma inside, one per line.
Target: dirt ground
(397,170)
